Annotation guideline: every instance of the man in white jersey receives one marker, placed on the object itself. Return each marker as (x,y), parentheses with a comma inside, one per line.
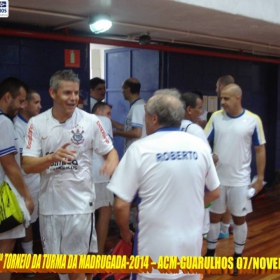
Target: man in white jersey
(97,91)
(225,223)
(32,108)
(193,110)
(166,171)
(234,130)
(12,97)
(59,145)
(104,197)
(134,127)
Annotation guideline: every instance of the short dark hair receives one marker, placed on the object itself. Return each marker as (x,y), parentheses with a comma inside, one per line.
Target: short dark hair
(12,85)
(29,94)
(134,86)
(199,93)
(94,82)
(189,99)
(99,104)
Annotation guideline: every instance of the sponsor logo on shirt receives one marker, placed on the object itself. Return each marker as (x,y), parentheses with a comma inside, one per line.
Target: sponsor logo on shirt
(63,166)
(77,137)
(104,135)
(177,155)
(29,136)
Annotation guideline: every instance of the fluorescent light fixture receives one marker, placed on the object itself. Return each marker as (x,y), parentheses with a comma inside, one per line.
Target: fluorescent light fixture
(100,23)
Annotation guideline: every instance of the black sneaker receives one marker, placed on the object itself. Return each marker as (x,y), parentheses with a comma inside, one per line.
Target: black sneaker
(210,253)
(235,269)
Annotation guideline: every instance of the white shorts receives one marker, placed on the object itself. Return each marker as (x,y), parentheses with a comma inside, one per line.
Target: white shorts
(206,221)
(17,232)
(104,197)
(68,234)
(35,213)
(236,200)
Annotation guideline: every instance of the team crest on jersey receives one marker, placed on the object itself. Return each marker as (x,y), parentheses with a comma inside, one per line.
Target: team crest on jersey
(77,137)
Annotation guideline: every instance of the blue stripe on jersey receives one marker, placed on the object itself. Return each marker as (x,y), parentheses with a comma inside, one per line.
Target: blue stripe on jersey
(9,150)
(243,112)
(136,125)
(169,128)
(255,138)
(211,135)
(22,118)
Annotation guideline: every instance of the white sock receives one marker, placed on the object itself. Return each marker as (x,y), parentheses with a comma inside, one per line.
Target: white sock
(63,276)
(224,227)
(27,247)
(212,235)
(239,237)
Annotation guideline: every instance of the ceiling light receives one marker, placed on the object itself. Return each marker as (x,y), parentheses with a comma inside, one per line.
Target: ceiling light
(100,23)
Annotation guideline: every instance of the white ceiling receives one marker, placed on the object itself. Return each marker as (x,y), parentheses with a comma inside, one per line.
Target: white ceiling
(233,26)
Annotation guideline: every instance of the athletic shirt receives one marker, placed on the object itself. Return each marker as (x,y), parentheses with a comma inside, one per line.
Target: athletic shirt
(168,181)
(8,143)
(98,160)
(93,101)
(67,188)
(194,129)
(31,180)
(233,138)
(135,118)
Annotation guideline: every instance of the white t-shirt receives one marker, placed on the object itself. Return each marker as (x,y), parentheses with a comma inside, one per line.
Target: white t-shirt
(67,188)
(93,101)
(233,138)
(31,180)
(97,159)
(8,143)
(194,129)
(167,172)
(135,118)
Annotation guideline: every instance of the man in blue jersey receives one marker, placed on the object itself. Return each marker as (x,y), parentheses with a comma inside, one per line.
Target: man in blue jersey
(134,127)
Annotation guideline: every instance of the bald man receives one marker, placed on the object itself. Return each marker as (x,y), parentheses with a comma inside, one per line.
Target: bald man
(134,127)
(236,130)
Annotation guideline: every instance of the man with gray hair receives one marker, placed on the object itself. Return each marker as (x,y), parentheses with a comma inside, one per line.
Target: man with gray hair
(59,145)
(166,171)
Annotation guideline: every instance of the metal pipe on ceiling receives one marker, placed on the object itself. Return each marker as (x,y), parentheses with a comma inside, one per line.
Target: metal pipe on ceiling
(88,40)
(143,27)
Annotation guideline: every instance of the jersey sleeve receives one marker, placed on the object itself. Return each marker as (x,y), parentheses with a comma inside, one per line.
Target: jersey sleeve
(107,124)
(20,138)
(126,184)
(197,131)
(8,137)
(258,135)
(32,146)
(209,129)
(211,181)
(137,118)
(101,142)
